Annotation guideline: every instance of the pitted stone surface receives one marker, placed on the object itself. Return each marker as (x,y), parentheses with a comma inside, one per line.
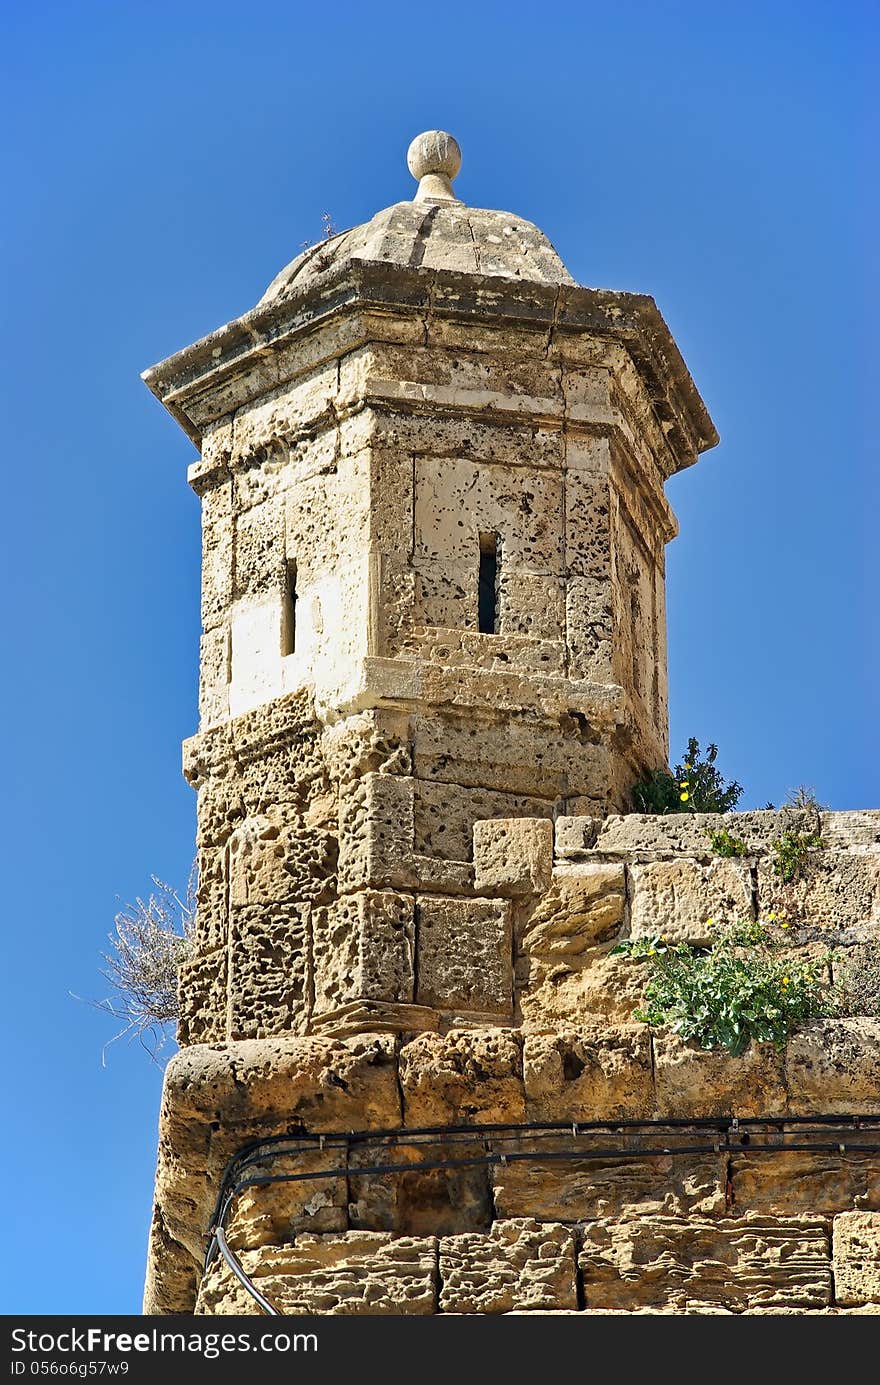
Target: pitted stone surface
(520,1266)
(681,900)
(358,1272)
(747,1263)
(857,1258)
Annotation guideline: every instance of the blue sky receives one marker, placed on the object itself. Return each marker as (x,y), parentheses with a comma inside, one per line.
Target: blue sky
(163,161)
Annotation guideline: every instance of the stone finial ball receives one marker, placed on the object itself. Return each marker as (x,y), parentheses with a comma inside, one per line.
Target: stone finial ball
(433,152)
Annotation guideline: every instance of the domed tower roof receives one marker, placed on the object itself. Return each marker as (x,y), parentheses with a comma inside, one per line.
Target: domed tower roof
(436,257)
(435,230)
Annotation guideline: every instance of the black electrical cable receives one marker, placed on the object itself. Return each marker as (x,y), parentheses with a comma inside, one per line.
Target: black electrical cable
(264,1151)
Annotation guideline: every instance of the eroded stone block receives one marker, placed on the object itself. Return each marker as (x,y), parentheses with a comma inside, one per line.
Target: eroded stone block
(583,1190)
(467,1076)
(589,1073)
(275,1214)
(201,985)
(513,856)
(833,1066)
(364,948)
(520,1265)
(269,970)
(747,1263)
(832,889)
(691,1081)
(583,907)
(676,899)
(357,1272)
(321,1083)
(464,952)
(816,1182)
(856,1241)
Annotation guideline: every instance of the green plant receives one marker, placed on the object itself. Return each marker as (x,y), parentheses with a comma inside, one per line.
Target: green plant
(791,848)
(723,844)
(694,786)
(741,988)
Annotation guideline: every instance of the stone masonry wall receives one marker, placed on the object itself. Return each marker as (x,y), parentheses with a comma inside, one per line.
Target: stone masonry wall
(726,1229)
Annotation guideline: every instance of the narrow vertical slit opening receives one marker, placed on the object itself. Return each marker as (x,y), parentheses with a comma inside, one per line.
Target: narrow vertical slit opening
(288,611)
(487,594)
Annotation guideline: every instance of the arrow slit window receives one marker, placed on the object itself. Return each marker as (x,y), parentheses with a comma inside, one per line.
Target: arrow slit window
(487,597)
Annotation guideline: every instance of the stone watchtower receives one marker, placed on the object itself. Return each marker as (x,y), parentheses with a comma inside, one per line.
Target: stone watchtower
(431,472)
(431,477)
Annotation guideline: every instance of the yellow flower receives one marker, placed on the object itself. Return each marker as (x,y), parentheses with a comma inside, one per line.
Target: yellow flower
(785,981)
(683,797)
(688,768)
(771,917)
(652,952)
(710,923)
(785,925)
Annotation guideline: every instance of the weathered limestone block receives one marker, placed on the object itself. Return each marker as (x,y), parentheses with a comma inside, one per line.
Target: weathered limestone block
(302,399)
(856,972)
(593,985)
(420,1201)
(260,549)
(832,890)
(691,1081)
(467,1076)
(217,552)
(856,1240)
(374,742)
(275,1214)
(509,754)
(585,1189)
(456,499)
(583,907)
(201,984)
(833,1067)
(279,862)
(258,856)
(212,900)
(653,836)
(464,954)
(520,1265)
(589,627)
(513,856)
(214,668)
(575,837)
(444,815)
(676,899)
(841,831)
(320,1083)
(590,1073)
(219,808)
(817,1182)
(269,970)
(376,834)
(587,516)
(172,1271)
(357,1272)
(531,605)
(751,1262)
(364,949)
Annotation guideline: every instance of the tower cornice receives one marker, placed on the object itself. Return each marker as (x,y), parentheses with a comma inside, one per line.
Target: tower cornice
(251,355)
